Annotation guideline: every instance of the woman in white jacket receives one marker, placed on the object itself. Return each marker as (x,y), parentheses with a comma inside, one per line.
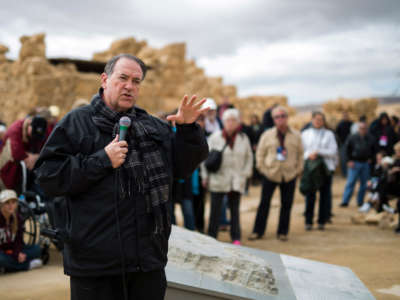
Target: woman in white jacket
(230,179)
(320,142)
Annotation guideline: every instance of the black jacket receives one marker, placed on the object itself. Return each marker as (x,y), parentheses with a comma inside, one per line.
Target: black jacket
(377,130)
(74,163)
(360,148)
(343,130)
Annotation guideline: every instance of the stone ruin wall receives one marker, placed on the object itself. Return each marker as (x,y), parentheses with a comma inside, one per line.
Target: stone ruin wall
(31,81)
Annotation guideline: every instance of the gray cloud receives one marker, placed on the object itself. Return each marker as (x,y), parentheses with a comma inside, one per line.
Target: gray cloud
(219,29)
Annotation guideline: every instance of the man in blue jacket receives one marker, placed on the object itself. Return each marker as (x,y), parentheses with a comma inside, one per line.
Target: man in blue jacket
(118,192)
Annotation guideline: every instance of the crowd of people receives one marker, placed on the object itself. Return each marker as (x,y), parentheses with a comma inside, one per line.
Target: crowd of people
(268,152)
(272,153)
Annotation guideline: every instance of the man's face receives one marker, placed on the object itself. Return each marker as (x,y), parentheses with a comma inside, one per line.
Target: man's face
(280,119)
(121,88)
(362,129)
(211,114)
(317,121)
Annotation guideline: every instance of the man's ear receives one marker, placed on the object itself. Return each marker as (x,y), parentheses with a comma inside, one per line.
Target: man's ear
(104,78)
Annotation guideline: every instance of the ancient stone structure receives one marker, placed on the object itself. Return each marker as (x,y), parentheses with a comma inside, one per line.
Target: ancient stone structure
(334,109)
(32,46)
(355,107)
(33,81)
(3,51)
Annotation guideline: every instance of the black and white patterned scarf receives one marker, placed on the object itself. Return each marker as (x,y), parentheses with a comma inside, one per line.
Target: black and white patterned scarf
(144,170)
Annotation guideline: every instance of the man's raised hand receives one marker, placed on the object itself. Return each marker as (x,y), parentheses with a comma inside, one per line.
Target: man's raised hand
(188,110)
(116,152)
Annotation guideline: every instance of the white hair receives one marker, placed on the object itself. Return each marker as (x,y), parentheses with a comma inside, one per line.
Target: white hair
(279,108)
(231,113)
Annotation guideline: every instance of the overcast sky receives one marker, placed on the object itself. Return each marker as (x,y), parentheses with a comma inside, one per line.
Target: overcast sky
(310,51)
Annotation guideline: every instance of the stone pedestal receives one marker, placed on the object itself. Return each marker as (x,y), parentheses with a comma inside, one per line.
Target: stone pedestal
(202,268)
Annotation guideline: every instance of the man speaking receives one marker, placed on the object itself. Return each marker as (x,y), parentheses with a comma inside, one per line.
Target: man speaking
(118,189)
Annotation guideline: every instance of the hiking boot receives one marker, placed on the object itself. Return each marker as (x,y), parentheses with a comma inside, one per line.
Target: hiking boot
(282,237)
(254,236)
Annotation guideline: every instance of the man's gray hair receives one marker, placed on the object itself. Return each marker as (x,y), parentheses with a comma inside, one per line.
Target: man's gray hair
(109,68)
(279,108)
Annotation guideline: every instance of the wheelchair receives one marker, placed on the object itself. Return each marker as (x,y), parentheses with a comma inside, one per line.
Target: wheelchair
(37,218)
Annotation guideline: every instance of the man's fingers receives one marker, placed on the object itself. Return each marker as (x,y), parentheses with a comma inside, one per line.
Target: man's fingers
(115,140)
(172,118)
(185,100)
(204,110)
(192,100)
(123,144)
(200,103)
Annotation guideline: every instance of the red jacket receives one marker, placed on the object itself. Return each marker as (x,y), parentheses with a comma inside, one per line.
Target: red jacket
(13,150)
(10,244)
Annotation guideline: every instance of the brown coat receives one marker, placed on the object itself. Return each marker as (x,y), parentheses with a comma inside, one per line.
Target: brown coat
(266,156)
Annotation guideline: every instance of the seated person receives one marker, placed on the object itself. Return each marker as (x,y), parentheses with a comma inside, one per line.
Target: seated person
(391,187)
(374,185)
(14,255)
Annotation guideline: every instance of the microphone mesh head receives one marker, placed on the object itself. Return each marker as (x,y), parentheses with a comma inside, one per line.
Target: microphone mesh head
(125,121)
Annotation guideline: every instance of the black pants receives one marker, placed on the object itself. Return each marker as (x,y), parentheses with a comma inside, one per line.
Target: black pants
(287,194)
(389,189)
(198,207)
(215,214)
(140,286)
(324,203)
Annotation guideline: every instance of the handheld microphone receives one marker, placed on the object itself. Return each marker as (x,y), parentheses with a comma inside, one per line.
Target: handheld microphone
(124,124)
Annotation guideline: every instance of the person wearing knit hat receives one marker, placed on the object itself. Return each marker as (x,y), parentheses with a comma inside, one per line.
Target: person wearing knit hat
(14,255)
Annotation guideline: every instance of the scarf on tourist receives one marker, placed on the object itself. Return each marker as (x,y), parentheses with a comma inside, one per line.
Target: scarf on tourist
(144,170)
(230,140)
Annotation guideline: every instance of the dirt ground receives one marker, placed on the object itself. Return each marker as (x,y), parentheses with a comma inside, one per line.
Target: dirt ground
(372,253)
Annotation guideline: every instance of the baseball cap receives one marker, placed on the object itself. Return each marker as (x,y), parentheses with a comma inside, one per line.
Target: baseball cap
(54,111)
(6,195)
(209,103)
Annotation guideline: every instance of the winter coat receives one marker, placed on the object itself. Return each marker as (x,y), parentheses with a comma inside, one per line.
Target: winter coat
(384,136)
(10,243)
(74,164)
(323,142)
(14,150)
(360,148)
(236,166)
(266,156)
